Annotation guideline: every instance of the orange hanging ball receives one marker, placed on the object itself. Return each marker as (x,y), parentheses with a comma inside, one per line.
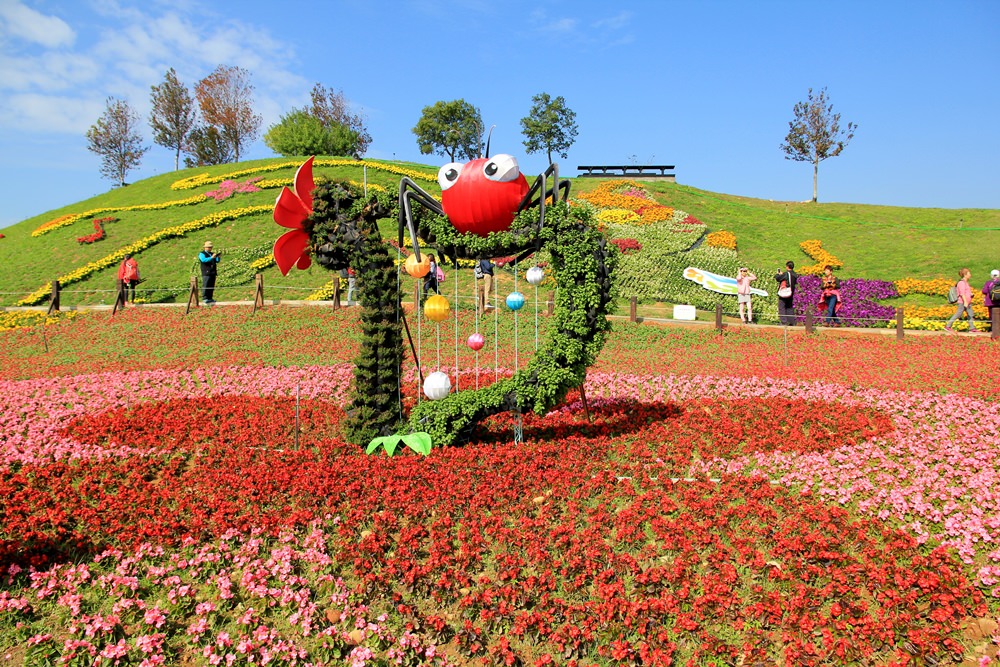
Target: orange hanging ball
(418,269)
(436,308)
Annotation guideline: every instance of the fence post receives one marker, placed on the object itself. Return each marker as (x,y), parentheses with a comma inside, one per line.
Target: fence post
(192,295)
(336,292)
(54,301)
(416,296)
(119,296)
(552,303)
(633,306)
(258,297)
(718,316)
(995,323)
(809,320)
(899,324)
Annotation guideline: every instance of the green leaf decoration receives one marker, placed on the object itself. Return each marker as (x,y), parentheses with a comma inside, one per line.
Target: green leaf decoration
(419,442)
(374,444)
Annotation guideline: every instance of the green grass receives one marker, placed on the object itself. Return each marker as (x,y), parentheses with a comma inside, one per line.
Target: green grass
(873,241)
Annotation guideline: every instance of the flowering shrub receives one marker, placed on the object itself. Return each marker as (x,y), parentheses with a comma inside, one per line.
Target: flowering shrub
(228,188)
(815,250)
(721,239)
(860,305)
(98,231)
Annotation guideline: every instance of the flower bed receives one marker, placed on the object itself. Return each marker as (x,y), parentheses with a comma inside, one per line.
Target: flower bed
(573,546)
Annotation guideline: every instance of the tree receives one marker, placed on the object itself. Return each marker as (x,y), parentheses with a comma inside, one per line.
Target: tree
(301,133)
(330,108)
(116,139)
(815,135)
(451,128)
(206,146)
(173,115)
(550,126)
(226,100)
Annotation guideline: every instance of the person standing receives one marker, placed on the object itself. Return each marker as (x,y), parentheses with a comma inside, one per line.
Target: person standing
(831,299)
(786,280)
(351,277)
(431,281)
(743,281)
(964,301)
(128,273)
(991,286)
(209,270)
(484,284)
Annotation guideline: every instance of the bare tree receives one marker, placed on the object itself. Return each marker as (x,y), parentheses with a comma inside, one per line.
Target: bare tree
(115,137)
(815,134)
(226,100)
(173,115)
(331,108)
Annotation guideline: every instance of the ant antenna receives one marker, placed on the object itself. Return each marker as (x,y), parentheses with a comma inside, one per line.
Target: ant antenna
(488,137)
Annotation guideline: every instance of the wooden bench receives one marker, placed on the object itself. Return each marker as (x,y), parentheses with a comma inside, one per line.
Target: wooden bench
(643,171)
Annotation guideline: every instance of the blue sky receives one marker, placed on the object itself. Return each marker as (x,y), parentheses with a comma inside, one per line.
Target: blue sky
(705,85)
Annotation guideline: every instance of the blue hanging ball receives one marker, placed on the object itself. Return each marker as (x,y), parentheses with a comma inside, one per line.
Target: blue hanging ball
(515,301)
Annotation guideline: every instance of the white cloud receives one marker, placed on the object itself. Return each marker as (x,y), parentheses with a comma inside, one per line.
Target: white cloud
(49,113)
(19,21)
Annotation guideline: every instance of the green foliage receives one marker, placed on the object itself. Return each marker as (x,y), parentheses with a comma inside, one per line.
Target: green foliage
(115,137)
(418,442)
(331,108)
(206,146)
(173,115)
(344,232)
(550,126)
(452,128)
(301,133)
(582,263)
(814,133)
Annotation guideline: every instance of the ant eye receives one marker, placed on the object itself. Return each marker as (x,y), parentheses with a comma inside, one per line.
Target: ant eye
(502,168)
(448,174)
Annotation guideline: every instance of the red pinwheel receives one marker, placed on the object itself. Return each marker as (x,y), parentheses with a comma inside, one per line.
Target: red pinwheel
(291,210)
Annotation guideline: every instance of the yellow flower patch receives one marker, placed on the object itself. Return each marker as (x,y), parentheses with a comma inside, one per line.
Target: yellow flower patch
(625,195)
(936,287)
(66,220)
(721,239)
(31,318)
(206,179)
(814,249)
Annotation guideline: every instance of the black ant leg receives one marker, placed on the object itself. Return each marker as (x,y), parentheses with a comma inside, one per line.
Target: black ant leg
(539,186)
(409,190)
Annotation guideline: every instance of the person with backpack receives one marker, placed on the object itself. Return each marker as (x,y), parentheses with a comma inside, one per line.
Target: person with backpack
(434,277)
(484,284)
(991,293)
(786,280)
(128,273)
(964,293)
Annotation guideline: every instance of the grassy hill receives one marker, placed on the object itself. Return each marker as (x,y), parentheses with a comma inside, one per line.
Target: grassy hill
(888,243)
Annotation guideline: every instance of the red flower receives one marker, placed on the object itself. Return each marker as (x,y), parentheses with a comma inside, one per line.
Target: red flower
(291,210)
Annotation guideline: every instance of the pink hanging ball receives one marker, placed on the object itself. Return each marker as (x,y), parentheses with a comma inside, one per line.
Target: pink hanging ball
(476,341)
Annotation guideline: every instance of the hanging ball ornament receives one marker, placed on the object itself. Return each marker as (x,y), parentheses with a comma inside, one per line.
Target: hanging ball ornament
(476,341)
(418,269)
(515,301)
(535,275)
(436,308)
(437,385)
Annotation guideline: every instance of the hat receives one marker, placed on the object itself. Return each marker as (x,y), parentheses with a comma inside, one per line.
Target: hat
(208,244)
(995,273)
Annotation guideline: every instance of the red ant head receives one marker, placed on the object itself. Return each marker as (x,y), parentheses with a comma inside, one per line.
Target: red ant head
(483,195)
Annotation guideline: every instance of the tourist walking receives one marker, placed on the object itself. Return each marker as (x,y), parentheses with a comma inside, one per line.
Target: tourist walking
(484,283)
(209,261)
(431,281)
(787,281)
(964,301)
(831,299)
(743,280)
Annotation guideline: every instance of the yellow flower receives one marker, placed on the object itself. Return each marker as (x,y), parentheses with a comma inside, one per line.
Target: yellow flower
(206,179)
(721,239)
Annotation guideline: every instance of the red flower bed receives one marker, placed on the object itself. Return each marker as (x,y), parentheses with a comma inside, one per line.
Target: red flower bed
(573,545)
(99,233)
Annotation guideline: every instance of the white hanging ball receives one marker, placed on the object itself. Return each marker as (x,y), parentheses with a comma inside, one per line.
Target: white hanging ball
(535,275)
(437,385)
